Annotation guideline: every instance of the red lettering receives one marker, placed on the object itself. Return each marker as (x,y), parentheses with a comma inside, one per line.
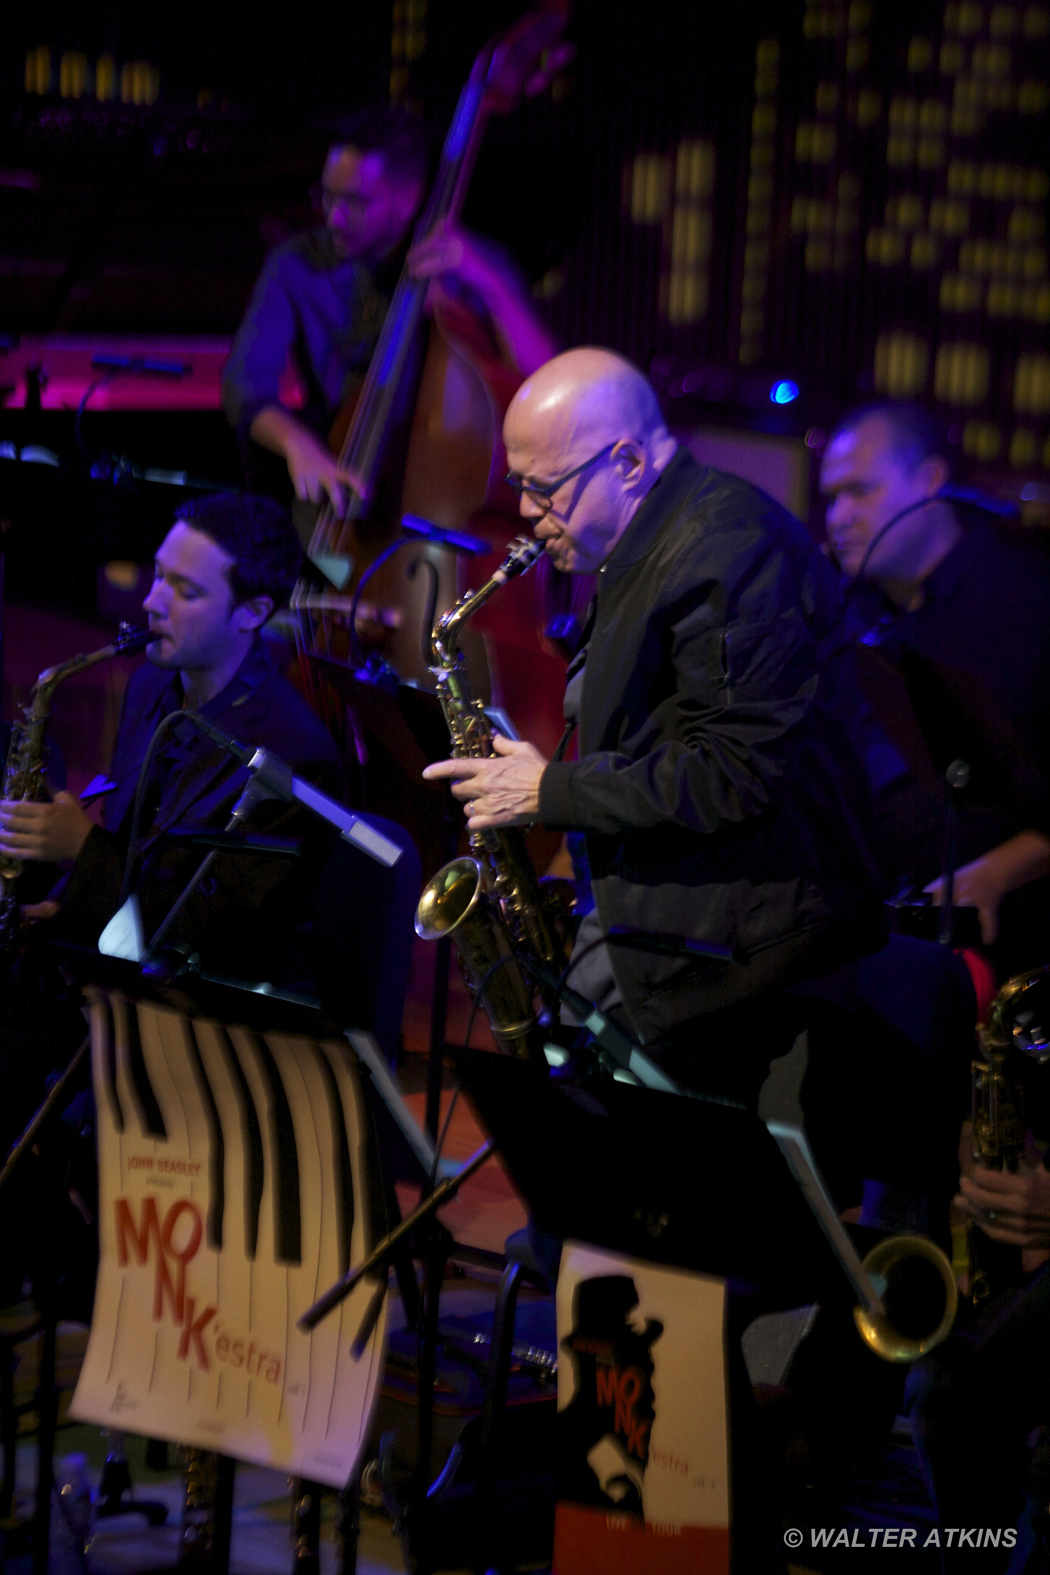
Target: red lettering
(630,1389)
(237,1356)
(171,1219)
(192,1330)
(140,1239)
(165,1289)
(606,1381)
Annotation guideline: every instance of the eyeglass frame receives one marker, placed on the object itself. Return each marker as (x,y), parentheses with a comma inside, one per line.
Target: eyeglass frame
(520,487)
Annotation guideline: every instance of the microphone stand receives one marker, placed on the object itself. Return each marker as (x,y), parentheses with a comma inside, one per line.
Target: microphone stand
(46,1398)
(271,778)
(253,794)
(956,780)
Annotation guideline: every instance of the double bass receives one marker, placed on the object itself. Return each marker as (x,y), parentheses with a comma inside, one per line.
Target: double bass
(453,462)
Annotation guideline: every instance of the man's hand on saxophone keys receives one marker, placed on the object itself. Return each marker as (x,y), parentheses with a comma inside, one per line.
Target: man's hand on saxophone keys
(1010,1206)
(43,832)
(502,790)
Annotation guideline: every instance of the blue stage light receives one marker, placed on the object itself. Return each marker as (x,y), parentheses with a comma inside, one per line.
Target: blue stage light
(783,393)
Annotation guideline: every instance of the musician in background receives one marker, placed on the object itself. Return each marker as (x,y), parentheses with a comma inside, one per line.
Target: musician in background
(321,299)
(227,563)
(979,1401)
(961,615)
(932,586)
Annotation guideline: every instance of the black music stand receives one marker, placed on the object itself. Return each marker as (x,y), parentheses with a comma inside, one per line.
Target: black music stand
(671,1180)
(678,1181)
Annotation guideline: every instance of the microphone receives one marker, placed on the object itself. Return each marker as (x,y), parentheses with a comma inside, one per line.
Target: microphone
(471,546)
(951,493)
(140,366)
(273,778)
(226,741)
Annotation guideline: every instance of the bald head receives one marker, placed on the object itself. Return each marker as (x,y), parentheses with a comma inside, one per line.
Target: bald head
(584,396)
(591,410)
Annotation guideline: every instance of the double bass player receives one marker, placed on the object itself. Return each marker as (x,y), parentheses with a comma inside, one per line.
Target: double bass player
(321,299)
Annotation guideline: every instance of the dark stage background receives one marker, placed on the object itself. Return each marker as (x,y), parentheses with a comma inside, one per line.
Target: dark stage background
(838,195)
(848,194)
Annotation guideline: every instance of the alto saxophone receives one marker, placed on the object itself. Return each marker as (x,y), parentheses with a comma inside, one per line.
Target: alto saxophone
(490,903)
(26,764)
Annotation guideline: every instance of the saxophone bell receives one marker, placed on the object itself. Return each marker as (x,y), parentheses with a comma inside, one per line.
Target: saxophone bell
(455,905)
(916,1284)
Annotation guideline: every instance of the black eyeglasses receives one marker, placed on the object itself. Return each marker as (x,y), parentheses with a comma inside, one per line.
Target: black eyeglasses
(519,485)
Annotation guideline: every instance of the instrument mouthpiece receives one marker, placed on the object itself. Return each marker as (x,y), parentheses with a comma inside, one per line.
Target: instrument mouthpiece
(523,553)
(130,641)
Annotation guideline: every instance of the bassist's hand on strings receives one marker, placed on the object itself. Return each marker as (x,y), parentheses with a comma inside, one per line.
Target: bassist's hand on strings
(314,470)
(502,790)
(450,250)
(491,274)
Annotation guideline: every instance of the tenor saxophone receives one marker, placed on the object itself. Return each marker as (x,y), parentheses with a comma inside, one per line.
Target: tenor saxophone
(490,903)
(25,770)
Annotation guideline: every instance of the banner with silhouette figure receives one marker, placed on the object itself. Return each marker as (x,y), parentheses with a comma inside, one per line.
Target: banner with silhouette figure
(643,1458)
(236,1182)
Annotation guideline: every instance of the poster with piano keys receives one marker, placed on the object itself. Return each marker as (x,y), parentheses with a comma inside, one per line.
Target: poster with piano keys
(643,1455)
(234,1187)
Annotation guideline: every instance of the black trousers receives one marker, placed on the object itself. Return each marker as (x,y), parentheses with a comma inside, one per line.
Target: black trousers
(974,1404)
(887,1086)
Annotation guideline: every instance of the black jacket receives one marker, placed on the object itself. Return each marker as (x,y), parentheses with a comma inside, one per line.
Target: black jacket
(720,782)
(965,675)
(243,919)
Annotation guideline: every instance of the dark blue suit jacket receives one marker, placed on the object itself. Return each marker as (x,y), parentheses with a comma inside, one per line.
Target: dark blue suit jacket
(243,920)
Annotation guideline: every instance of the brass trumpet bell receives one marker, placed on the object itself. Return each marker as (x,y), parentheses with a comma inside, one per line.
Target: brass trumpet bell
(915,1283)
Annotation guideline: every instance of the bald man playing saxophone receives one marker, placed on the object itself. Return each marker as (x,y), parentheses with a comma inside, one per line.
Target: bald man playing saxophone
(717,783)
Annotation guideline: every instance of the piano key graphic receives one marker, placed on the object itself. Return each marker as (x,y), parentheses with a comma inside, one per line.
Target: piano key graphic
(236,1182)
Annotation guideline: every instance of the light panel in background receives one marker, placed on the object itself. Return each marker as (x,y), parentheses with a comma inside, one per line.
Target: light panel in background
(780,466)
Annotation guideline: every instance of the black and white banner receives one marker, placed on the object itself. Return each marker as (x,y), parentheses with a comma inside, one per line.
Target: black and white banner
(236,1182)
